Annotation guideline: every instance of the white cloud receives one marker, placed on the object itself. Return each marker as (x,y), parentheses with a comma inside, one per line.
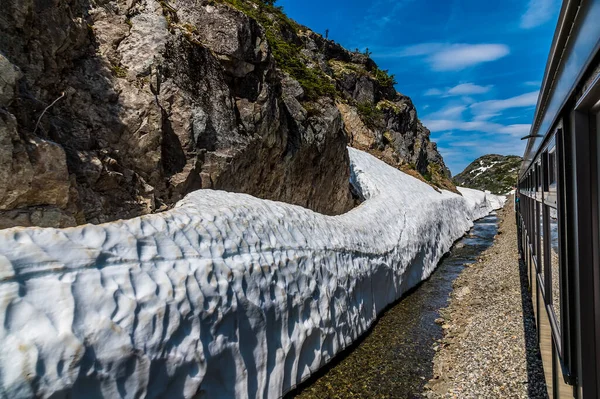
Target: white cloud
(534,83)
(448,112)
(518,130)
(417,50)
(466,144)
(460,56)
(538,13)
(450,56)
(451,118)
(486,115)
(433,92)
(442,125)
(459,90)
(467,99)
(444,137)
(493,107)
(468,88)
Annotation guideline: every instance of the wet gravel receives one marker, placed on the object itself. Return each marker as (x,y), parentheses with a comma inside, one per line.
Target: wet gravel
(489,348)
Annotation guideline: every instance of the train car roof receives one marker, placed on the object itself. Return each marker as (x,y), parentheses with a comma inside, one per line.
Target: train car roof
(575,44)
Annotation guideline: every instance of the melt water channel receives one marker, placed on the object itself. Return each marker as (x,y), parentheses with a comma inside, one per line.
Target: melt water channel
(395,358)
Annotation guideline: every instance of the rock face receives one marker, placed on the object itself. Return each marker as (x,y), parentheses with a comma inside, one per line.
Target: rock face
(495,173)
(224,296)
(113,109)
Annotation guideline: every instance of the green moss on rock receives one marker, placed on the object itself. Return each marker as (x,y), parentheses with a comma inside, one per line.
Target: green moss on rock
(369,114)
(287,54)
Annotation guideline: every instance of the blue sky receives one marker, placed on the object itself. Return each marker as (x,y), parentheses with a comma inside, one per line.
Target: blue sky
(473,68)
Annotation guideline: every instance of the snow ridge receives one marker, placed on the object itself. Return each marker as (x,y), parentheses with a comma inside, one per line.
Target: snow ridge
(226,295)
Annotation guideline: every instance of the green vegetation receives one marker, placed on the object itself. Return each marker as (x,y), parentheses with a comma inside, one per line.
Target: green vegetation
(394,107)
(119,71)
(427,176)
(434,174)
(314,82)
(169,12)
(341,68)
(287,54)
(369,114)
(189,28)
(312,109)
(91,30)
(279,28)
(388,138)
(384,78)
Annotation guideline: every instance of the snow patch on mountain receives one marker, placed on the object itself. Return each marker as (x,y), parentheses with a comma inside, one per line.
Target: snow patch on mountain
(496,173)
(225,295)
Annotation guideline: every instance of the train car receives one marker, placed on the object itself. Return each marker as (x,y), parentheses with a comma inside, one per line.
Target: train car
(558,212)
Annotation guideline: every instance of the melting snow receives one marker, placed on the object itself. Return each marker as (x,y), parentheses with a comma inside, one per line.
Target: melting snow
(225,295)
(482,168)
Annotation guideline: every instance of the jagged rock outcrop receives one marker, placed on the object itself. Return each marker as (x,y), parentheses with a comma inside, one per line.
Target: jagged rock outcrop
(495,173)
(151,100)
(377,118)
(158,102)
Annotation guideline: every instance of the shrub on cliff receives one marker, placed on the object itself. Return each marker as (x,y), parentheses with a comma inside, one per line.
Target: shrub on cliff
(369,114)
(286,53)
(384,78)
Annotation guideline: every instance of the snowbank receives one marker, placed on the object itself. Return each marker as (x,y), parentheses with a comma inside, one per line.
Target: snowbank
(225,295)
(480,202)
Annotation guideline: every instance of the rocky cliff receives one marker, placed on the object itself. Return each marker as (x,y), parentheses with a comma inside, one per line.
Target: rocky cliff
(112,109)
(495,173)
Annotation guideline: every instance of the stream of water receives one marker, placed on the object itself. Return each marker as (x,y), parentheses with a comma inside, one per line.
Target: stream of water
(394,360)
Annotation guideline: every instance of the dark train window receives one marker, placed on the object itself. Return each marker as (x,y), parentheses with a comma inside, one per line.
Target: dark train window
(552,167)
(554,260)
(550,238)
(545,180)
(531,185)
(533,220)
(541,244)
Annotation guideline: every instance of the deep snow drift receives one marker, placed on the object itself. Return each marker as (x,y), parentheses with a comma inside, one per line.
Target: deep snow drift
(225,295)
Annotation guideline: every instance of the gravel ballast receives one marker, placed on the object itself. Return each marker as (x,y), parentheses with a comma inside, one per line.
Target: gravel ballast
(489,348)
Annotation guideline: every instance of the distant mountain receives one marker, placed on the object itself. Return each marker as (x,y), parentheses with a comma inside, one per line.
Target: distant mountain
(495,173)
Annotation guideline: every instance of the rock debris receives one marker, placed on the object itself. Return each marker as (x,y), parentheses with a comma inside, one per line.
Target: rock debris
(489,348)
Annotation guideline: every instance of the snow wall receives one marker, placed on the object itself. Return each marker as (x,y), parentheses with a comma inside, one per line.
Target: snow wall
(224,296)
